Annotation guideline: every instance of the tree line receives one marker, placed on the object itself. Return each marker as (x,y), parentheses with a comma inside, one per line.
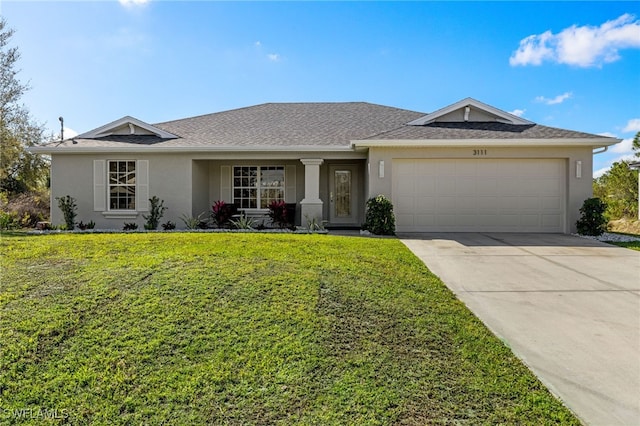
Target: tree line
(24,177)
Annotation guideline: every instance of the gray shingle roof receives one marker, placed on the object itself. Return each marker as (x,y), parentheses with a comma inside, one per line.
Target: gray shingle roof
(272,125)
(290,124)
(480,130)
(324,125)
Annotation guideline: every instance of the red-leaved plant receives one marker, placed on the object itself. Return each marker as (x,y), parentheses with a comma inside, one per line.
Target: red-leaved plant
(278,214)
(222,213)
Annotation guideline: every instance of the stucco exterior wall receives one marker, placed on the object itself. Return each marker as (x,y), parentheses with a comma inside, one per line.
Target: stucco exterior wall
(170,177)
(578,189)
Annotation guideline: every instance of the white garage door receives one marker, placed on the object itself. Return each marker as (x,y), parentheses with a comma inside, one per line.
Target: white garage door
(491,195)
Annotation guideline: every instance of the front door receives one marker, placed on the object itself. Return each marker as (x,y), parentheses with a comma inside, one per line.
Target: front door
(343,182)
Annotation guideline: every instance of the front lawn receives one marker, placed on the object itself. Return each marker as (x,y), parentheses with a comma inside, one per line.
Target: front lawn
(247,329)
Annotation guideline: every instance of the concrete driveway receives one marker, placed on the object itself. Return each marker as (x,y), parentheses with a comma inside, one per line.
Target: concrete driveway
(567,306)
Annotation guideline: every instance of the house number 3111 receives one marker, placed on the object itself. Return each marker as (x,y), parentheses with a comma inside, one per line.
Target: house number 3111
(479,152)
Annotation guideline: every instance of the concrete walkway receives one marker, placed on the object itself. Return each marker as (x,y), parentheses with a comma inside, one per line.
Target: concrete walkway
(567,306)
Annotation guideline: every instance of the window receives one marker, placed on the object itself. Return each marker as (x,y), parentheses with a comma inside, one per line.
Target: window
(122,185)
(256,187)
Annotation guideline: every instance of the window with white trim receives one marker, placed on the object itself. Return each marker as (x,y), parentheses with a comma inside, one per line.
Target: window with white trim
(257,186)
(122,185)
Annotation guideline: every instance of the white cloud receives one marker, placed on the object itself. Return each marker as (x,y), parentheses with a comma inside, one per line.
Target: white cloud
(518,112)
(603,170)
(633,125)
(553,101)
(130,3)
(69,133)
(600,172)
(533,50)
(273,57)
(623,147)
(608,135)
(585,46)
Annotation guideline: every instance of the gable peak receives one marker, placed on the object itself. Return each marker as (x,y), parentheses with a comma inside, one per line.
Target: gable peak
(127,125)
(470,110)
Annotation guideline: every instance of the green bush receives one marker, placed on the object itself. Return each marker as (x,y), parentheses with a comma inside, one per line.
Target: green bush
(84,226)
(155,213)
(168,226)
(592,220)
(379,218)
(244,222)
(191,222)
(68,206)
(130,226)
(9,220)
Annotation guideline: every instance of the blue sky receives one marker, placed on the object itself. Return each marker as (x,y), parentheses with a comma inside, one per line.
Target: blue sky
(574,65)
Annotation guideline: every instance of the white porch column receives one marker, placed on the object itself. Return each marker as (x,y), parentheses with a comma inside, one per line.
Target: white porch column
(311,205)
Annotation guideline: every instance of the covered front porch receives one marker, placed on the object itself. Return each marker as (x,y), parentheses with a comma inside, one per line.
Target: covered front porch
(329,191)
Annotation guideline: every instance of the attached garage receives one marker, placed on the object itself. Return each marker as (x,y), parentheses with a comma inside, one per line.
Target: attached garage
(469,195)
(470,167)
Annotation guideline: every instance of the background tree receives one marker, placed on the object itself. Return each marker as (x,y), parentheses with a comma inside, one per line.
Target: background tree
(618,187)
(24,196)
(20,171)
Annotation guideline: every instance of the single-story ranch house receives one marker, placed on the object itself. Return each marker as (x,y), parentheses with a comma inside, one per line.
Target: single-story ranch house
(466,167)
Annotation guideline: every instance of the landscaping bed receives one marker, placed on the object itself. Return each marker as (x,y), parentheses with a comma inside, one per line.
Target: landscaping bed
(210,328)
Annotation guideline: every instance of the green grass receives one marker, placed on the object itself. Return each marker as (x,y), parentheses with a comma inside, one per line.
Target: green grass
(633,245)
(247,329)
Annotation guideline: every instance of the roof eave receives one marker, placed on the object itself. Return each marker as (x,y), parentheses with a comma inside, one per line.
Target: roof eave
(185,149)
(439,143)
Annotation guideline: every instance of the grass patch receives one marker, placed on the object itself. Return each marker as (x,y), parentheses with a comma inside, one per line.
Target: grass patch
(248,329)
(633,245)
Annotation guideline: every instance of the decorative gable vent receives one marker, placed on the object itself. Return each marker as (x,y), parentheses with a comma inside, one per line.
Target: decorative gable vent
(469,110)
(127,126)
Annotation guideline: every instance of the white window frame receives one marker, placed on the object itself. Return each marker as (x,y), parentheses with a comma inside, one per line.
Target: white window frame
(133,185)
(101,195)
(258,186)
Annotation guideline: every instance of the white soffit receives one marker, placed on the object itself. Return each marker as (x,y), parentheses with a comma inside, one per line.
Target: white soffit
(500,116)
(133,123)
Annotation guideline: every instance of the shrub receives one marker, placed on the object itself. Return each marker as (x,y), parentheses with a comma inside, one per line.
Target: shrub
(379,218)
(244,222)
(155,213)
(89,225)
(23,210)
(130,226)
(313,225)
(191,222)
(279,214)
(221,213)
(168,226)
(592,220)
(8,220)
(68,206)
